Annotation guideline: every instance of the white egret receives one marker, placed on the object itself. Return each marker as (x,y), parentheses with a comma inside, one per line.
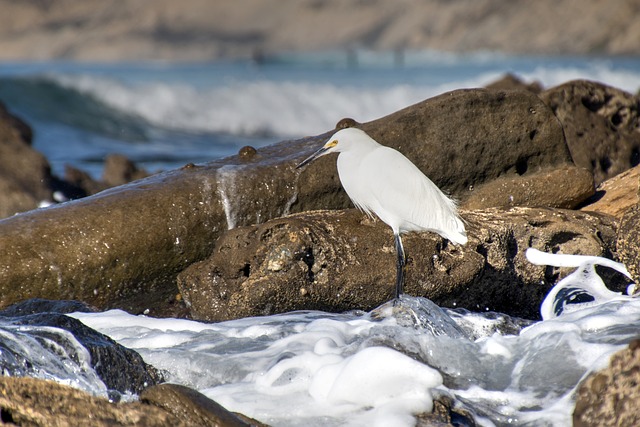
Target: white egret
(381,180)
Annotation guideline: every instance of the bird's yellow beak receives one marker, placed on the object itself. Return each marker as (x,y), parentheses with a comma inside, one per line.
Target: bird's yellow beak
(323,150)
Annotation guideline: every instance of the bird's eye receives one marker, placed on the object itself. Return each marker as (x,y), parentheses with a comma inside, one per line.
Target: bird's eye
(332,143)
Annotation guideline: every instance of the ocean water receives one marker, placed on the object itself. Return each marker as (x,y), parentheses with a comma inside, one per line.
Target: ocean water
(164,115)
(315,368)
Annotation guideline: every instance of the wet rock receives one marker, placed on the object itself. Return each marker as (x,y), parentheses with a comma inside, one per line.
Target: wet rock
(120,368)
(39,305)
(601,125)
(616,195)
(512,82)
(611,397)
(33,402)
(342,260)
(193,407)
(25,174)
(125,246)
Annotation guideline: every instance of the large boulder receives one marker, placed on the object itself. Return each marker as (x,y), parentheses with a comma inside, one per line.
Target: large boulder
(601,124)
(33,402)
(562,187)
(25,175)
(124,247)
(342,260)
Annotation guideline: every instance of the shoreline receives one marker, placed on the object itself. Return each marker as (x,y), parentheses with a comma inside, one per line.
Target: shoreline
(205,31)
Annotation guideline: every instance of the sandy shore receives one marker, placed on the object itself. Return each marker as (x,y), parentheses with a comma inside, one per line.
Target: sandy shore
(204,30)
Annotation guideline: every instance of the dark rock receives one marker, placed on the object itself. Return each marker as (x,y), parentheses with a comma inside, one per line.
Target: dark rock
(193,407)
(120,368)
(347,122)
(125,246)
(84,184)
(601,125)
(247,152)
(512,82)
(25,174)
(611,397)
(119,170)
(342,260)
(39,403)
(39,305)
(445,413)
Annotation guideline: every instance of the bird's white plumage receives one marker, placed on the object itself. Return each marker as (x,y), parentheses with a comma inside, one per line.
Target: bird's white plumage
(381,180)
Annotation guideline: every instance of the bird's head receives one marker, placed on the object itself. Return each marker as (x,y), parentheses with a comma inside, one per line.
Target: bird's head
(340,141)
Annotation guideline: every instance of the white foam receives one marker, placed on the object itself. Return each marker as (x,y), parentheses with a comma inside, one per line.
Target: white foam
(255,104)
(582,288)
(320,369)
(248,107)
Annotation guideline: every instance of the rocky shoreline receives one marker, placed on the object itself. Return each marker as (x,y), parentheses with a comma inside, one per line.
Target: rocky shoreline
(555,169)
(200,30)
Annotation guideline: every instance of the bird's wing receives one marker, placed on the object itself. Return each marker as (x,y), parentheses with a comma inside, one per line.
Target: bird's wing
(402,194)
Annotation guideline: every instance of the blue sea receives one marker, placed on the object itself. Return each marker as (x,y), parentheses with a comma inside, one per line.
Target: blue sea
(164,115)
(313,368)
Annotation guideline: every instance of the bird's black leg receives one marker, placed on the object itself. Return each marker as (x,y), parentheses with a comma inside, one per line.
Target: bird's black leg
(400,264)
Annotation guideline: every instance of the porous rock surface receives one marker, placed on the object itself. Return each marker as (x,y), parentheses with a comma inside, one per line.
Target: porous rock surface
(601,124)
(611,396)
(343,260)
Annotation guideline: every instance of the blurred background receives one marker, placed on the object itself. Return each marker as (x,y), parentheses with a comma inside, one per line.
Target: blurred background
(166,82)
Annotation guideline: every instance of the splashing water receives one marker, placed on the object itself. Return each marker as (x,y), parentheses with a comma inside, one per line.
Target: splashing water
(378,368)
(383,367)
(47,353)
(580,289)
